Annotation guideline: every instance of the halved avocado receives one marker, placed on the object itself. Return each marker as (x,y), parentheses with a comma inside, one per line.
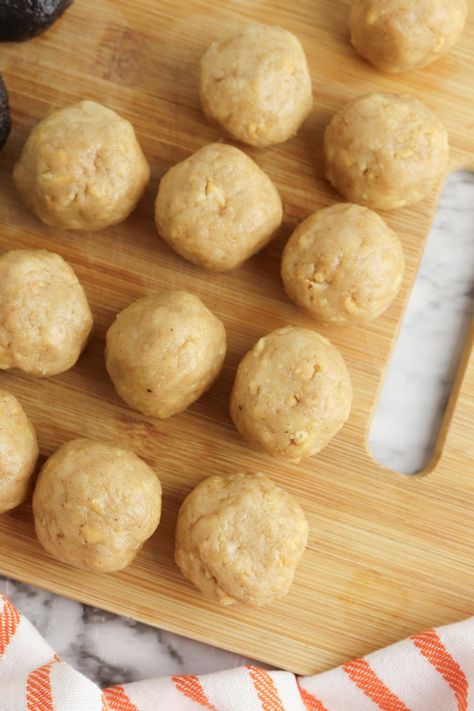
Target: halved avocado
(5,123)
(22,19)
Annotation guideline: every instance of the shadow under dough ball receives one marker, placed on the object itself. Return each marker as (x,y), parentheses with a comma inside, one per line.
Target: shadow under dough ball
(23,19)
(5,122)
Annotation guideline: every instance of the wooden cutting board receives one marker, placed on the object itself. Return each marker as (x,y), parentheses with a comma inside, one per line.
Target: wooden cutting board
(387,554)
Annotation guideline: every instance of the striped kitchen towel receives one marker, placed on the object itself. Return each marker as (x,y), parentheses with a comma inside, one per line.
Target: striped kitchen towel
(431,671)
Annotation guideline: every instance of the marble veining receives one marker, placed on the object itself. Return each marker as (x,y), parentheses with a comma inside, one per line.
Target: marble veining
(111,649)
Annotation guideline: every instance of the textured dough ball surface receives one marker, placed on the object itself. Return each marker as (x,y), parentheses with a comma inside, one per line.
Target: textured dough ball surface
(256,85)
(385,151)
(95,504)
(343,264)
(164,351)
(45,318)
(217,207)
(82,168)
(240,538)
(292,393)
(400,35)
(18,452)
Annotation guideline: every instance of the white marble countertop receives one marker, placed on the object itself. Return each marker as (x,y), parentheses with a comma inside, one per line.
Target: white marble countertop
(111,649)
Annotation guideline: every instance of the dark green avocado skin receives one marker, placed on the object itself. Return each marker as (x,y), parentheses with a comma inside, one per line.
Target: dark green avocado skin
(5,123)
(22,19)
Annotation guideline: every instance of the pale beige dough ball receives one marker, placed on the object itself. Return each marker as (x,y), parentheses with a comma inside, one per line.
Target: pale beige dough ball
(400,35)
(82,168)
(95,504)
(343,264)
(292,393)
(18,452)
(256,85)
(164,351)
(240,538)
(385,151)
(45,319)
(217,207)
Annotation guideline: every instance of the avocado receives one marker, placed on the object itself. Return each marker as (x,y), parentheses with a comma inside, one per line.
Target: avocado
(22,19)
(5,123)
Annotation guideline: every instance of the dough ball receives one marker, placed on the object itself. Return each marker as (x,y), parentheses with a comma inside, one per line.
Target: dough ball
(164,351)
(385,151)
(399,35)
(343,264)
(95,504)
(256,85)
(217,207)
(240,538)
(82,168)
(292,393)
(18,452)
(45,319)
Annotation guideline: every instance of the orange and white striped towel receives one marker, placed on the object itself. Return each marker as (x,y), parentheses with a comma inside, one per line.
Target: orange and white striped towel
(431,671)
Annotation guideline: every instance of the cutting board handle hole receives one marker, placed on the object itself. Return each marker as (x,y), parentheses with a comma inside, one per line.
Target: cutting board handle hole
(407,428)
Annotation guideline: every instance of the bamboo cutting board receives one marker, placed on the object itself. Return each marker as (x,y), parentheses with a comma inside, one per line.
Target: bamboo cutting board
(387,554)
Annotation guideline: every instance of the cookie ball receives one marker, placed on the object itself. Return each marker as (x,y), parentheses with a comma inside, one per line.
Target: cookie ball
(164,351)
(256,85)
(343,264)
(95,504)
(292,393)
(45,319)
(397,36)
(82,168)
(240,538)
(217,208)
(385,151)
(18,452)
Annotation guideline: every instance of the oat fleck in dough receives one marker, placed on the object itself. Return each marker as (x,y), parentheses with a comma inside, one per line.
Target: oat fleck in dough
(256,85)
(217,207)
(385,151)
(343,264)
(95,504)
(18,452)
(240,538)
(45,318)
(292,393)
(164,351)
(82,168)
(400,35)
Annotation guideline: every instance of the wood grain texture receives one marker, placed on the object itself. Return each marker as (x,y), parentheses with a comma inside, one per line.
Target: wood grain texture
(387,554)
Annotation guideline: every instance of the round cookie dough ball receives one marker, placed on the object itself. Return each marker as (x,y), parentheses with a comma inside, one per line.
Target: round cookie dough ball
(45,318)
(18,452)
(164,351)
(82,168)
(399,35)
(343,264)
(256,85)
(217,207)
(95,504)
(292,393)
(240,538)
(385,151)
